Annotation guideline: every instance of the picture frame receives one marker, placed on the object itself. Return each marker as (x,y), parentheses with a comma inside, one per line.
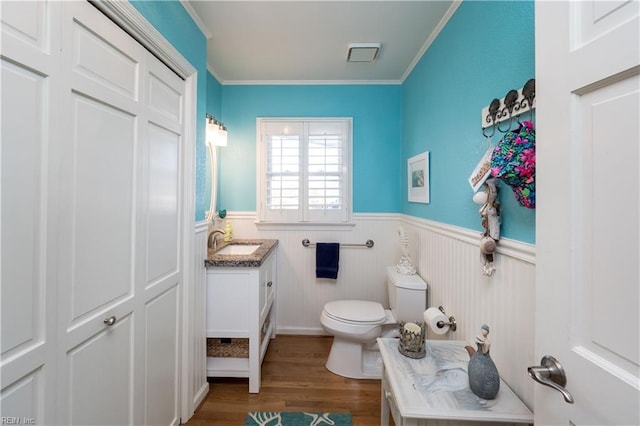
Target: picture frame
(418,178)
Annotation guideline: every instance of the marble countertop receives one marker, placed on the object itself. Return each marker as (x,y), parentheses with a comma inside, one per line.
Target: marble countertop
(255,259)
(437,386)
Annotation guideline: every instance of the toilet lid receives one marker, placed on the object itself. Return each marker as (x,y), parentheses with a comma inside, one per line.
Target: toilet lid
(359,311)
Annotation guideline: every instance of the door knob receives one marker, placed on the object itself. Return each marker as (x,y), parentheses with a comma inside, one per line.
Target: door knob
(551,374)
(110,321)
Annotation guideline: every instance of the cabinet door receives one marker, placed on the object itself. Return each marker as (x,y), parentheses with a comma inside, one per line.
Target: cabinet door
(229,293)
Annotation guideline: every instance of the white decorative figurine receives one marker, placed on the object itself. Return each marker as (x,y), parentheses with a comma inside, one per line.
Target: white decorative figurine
(404,267)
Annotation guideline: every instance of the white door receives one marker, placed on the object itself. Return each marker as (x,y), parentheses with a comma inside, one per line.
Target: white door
(588,209)
(30,72)
(120,270)
(92,212)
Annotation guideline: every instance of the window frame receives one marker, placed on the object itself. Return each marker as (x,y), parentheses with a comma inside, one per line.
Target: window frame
(301,215)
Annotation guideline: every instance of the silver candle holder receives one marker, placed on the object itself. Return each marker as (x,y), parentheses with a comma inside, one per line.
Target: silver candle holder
(412,342)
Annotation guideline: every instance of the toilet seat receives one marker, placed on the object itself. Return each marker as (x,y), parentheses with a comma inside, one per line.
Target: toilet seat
(356,312)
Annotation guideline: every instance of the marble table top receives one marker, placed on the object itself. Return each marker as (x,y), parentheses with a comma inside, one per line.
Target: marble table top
(437,386)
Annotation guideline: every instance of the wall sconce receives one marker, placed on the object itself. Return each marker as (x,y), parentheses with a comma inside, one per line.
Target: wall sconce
(216,132)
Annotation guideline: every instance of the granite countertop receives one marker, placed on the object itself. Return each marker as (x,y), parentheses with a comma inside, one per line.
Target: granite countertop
(255,259)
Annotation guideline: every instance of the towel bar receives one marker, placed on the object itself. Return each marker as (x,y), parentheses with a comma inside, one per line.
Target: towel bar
(368,244)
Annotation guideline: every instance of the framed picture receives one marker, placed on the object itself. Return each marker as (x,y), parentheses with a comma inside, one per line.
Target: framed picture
(418,178)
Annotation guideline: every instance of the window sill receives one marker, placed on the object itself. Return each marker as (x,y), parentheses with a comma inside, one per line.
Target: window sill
(297,226)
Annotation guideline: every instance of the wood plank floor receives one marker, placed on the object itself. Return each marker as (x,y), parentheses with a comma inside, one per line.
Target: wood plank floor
(294,378)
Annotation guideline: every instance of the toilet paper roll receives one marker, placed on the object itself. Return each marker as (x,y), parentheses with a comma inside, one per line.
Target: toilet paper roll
(432,316)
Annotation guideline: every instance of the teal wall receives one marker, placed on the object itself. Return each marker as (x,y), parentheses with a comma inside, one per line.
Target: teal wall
(486,49)
(376,112)
(175,24)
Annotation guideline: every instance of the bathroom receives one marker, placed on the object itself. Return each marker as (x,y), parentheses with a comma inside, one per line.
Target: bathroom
(481,51)
(484,50)
(390,124)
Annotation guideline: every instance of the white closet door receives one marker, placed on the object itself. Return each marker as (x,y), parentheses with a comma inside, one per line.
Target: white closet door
(161,275)
(119,269)
(92,210)
(30,72)
(100,159)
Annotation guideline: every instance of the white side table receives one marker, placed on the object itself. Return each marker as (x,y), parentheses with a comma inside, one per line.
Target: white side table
(422,392)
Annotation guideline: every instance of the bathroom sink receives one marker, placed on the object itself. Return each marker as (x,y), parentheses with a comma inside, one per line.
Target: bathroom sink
(238,249)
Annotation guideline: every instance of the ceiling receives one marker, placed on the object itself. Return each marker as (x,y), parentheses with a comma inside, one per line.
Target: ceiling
(253,42)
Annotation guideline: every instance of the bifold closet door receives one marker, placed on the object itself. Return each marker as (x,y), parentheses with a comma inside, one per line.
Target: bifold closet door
(119,268)
(30,71)
(92,142)
(100,189)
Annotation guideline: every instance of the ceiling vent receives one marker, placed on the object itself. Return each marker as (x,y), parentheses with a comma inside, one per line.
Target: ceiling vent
(363,52)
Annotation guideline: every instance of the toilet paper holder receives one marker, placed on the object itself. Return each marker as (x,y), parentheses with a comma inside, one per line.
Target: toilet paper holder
(452,321)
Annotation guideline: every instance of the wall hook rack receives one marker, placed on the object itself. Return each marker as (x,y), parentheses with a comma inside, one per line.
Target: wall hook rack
(515,103)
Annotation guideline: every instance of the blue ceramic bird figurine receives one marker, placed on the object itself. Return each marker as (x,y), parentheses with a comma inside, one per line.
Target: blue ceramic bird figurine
(484,379)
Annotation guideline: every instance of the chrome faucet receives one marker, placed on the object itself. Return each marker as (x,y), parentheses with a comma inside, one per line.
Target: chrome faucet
(212,241)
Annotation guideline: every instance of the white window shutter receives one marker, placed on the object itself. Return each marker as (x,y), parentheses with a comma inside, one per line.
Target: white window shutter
(304,170)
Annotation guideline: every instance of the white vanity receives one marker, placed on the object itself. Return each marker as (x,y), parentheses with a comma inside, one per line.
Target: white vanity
(241,294)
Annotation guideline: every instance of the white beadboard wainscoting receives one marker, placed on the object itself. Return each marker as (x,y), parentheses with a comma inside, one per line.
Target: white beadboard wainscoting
(195,329)
(301,296)
(447,257)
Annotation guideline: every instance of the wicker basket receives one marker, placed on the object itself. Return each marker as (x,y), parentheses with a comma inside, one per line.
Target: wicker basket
(238,348)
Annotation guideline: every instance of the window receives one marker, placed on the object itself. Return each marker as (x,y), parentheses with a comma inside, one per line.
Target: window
(304,170)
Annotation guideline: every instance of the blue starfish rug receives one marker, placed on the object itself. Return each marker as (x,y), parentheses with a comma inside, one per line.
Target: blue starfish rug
(264,418)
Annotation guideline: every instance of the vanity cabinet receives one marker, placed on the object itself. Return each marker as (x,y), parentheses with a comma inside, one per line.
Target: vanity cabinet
(241,305)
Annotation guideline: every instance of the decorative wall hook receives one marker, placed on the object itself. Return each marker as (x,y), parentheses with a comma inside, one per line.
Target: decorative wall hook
(515,103)
(510,103)
(490,120)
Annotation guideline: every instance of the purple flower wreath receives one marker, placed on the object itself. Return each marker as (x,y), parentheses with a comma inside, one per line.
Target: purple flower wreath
(514,161)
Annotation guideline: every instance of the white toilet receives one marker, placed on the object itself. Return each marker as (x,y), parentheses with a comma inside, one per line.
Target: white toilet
(356,324)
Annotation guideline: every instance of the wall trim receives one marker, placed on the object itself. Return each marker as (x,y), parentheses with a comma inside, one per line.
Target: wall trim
(431,38)
(308,82)
(130,20)
(506,246)
(196,18)
(200,226)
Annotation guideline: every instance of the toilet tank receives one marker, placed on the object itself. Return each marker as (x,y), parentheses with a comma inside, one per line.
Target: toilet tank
(407,295)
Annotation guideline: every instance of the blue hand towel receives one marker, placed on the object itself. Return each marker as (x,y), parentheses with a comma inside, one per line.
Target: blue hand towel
(327,256)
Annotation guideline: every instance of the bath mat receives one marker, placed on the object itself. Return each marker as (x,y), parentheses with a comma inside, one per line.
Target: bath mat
(264,418)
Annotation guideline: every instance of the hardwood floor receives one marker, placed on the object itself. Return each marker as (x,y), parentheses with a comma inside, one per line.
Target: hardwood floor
(294,378)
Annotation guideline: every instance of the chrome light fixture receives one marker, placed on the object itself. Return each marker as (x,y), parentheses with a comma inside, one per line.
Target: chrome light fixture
(216,132)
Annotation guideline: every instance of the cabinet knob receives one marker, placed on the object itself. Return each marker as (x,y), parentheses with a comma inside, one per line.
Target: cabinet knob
(269,284)
(110,321)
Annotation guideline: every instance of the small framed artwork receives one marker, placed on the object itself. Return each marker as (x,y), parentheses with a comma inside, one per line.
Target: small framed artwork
(418,178)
